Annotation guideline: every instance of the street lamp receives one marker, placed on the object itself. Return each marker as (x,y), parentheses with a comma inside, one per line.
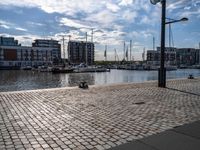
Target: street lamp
(162,69)
(173,20)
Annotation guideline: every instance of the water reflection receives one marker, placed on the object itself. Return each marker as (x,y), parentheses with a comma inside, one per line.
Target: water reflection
(26,80)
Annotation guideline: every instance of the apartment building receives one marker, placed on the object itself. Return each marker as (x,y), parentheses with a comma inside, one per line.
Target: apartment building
(81,52)
(15,56)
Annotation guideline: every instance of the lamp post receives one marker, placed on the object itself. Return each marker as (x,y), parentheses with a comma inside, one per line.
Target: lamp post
(162,69)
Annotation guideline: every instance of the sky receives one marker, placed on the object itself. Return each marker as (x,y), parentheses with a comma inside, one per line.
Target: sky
(113,22)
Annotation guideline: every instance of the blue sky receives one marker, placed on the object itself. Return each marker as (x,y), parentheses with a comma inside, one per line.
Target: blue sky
(113,22)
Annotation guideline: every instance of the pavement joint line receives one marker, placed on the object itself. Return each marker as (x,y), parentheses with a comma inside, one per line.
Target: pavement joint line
(183,91)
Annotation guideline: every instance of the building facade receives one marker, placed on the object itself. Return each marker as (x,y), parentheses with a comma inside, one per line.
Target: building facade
(188,56)
(15,56)
(80,52)
(175,56)
(153,56)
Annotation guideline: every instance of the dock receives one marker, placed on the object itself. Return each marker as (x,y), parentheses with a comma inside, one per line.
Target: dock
(97,118)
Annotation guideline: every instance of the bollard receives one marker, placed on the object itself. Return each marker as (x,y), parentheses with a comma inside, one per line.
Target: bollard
(83,85)
(190,76)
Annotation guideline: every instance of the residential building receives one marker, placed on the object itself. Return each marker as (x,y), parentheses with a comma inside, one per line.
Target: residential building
(53,44)
(187,56)
(153,56)
(13,55)
(175,56)
(8,41)
(80,52)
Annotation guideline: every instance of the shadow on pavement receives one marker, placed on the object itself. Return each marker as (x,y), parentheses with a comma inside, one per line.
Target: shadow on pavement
(186,92)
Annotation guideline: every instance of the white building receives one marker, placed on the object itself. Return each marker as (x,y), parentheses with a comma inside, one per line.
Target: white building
(15,56)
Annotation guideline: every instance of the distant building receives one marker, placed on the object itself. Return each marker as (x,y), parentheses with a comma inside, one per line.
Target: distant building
(175,56)
(8,41)
(53,44)
(13,55)
(153,56)
(77,52)
(187,56)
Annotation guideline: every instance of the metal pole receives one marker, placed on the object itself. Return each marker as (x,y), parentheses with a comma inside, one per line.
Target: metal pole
(92,36)
(124,50)
(130,48)
(162,70)
(86,53)
(63,40)
(199,53)
(69,49)
(153,43)
(115,56)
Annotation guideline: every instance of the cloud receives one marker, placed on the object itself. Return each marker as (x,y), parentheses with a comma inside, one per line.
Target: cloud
(129,15)
(34,23)
(113,21)
(104,18)
(20,29)
(112,7)
(190,13)
(73,23)
(125,2)
(4,26)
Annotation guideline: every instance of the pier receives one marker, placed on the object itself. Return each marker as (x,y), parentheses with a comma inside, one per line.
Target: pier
(97,118)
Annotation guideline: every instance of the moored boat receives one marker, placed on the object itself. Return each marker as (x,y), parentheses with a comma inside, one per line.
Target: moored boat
(62,70)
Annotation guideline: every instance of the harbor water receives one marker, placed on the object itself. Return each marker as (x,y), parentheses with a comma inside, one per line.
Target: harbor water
(16,80)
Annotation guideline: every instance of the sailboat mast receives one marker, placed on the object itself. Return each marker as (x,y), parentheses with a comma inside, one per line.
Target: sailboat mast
(130,48)
(86,53)
(153,43)
(124,50)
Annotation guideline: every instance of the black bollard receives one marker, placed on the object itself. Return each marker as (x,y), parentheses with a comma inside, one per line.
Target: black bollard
(83,85)
(190,76)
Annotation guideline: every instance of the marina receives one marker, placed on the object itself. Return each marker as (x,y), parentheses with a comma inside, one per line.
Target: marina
(12,80)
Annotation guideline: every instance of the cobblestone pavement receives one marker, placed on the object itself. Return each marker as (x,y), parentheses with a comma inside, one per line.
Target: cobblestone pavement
(98,118)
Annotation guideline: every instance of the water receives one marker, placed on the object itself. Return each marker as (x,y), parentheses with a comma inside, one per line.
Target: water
(15,80)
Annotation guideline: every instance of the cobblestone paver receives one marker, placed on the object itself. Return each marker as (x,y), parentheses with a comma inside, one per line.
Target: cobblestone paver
(98,118)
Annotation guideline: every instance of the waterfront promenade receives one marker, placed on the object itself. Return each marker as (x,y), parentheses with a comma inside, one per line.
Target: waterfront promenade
(101,117)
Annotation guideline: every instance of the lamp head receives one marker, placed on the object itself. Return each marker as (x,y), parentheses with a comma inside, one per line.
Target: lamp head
(154,2)
(184,19)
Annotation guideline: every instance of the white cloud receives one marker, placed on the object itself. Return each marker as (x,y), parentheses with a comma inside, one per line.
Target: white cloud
(73,23)
(112,20)
(69,7)
(190,13)
(35,23)
(105,18)
(125,2)
(4,26)
(112,7)
(20,29)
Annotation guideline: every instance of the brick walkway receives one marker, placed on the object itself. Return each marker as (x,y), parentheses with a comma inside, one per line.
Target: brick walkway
(98,118)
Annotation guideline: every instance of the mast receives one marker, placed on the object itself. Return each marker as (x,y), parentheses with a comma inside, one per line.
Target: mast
(92,35)
(127,53)
(63,46)
(143,54)
(130,48)
(115,55)
(124,50)
(153,43)
(199,53)
(86,53)
(105,53)
(69,48)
